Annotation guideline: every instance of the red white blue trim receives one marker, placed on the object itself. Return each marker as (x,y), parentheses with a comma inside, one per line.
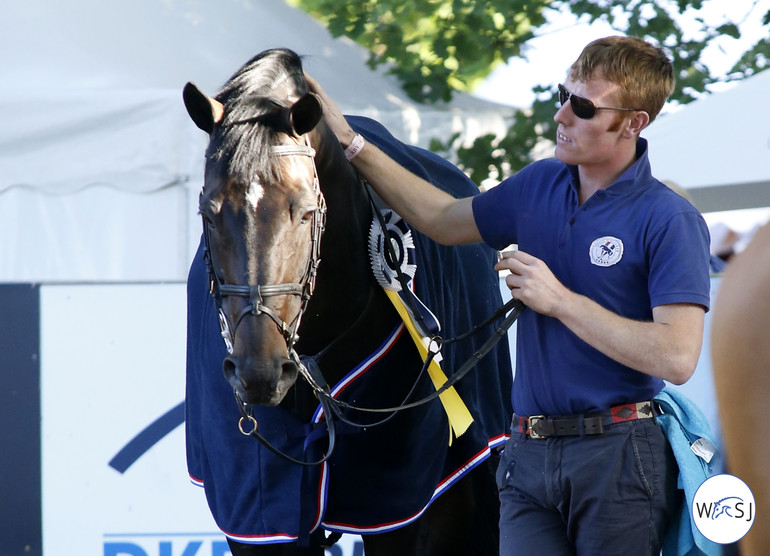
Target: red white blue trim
(362,367)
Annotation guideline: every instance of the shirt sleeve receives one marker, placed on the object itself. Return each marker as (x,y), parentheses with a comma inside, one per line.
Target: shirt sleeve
(679,262)
(495,219)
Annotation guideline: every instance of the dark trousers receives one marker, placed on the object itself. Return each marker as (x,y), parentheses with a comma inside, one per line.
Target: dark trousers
(608,494)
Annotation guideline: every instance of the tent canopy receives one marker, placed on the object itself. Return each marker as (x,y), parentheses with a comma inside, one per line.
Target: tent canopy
(93,121)
(93,89)
(718,147)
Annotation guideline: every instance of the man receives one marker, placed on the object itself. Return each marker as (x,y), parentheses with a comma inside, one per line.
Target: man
(613,267)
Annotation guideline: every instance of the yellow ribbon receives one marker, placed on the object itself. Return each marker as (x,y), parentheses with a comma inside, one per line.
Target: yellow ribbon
(457,413)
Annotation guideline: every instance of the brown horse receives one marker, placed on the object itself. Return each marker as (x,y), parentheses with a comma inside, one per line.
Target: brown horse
(286,268)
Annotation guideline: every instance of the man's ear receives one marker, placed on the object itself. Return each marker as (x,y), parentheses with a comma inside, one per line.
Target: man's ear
(638,122)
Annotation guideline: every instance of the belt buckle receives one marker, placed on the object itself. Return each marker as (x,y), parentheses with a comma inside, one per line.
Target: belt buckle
(531,422)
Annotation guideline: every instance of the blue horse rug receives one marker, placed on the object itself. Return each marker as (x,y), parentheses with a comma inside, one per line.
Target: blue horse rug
(376,480)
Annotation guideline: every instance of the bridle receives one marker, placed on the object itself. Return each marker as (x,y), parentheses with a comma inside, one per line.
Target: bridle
(256,294)
(256,306)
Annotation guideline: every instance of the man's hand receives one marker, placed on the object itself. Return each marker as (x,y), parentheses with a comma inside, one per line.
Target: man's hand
(332,113)
(532,282)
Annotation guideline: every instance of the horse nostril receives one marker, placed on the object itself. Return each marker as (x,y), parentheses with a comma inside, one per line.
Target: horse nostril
(289,367)
(229,367)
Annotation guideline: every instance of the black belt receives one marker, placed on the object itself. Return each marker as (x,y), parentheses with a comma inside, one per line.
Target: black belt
(540,426)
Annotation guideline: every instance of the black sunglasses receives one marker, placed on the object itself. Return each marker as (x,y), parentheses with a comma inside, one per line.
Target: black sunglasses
(582,107)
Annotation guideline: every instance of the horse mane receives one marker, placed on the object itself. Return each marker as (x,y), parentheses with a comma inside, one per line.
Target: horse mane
(258,93)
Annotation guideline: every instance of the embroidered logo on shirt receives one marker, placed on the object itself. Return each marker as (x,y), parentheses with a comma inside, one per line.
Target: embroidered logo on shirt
(606,251)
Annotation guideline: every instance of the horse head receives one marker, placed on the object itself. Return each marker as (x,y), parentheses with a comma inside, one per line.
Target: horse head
(263,216)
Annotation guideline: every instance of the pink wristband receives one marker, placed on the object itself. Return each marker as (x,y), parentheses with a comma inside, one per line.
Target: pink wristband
(355,147)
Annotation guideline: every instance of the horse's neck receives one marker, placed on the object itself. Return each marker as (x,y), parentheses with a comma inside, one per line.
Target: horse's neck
(349,315)
(345,287)
(349,213)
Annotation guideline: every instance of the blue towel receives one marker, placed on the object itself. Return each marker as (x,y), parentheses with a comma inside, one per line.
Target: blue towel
(684,424)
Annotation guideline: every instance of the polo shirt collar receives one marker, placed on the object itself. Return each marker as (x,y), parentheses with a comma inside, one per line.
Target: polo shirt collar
(637,175)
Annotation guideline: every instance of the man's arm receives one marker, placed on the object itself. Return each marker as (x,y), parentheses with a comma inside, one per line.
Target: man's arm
(668,347)
(432,211)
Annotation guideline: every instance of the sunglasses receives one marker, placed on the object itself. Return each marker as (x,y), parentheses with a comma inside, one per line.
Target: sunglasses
(584,108)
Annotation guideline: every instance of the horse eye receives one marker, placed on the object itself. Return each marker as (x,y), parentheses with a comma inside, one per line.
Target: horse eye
(308,216)
(207,219)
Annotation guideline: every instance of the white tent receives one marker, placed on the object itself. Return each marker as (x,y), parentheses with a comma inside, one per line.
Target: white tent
(718,147)
(99,164)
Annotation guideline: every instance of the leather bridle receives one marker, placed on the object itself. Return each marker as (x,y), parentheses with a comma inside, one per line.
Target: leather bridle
(256,307)
(256,294)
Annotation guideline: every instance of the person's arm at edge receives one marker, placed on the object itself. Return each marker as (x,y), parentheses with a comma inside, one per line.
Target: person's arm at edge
(432,211)
(740,357)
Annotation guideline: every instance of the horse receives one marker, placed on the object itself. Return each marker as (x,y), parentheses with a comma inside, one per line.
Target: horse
(740,356)
(291,262)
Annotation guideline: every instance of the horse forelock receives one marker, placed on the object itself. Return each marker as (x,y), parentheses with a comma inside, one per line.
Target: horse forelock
(256,100)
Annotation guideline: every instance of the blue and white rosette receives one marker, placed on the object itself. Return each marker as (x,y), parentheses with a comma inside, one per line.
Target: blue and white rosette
(387,273)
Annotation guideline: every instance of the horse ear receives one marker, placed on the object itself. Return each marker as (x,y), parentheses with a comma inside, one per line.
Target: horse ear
(305,114)
(204,110)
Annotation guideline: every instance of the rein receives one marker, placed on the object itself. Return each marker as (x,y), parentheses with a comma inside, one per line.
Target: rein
(513,307)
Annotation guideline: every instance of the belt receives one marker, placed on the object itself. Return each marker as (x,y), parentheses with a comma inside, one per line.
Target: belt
(540,426)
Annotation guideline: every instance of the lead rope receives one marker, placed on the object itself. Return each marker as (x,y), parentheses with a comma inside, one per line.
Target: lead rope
(513,307)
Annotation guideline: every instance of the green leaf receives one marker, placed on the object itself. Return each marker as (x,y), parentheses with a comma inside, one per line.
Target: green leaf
(435,47)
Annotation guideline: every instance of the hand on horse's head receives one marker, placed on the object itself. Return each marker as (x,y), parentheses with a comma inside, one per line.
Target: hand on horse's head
(332,113)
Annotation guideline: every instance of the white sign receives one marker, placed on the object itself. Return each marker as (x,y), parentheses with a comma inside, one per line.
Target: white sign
(114,475)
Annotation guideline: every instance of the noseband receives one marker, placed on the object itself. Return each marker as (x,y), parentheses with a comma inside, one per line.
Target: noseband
(256,294)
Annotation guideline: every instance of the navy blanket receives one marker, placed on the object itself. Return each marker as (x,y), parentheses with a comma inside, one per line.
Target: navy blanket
(378,480)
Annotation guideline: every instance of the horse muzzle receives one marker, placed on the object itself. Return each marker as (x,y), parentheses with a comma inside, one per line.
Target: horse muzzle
(260,381)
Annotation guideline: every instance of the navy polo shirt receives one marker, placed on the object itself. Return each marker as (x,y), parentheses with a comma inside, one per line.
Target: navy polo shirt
(630,247)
